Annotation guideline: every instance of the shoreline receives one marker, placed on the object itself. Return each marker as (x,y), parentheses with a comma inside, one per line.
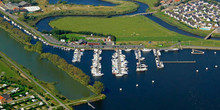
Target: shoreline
(200,47)
(95,97)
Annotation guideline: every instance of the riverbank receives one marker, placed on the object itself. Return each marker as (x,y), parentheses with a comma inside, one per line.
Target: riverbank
(151,4)
(183,26)
(122,7)
(52,89)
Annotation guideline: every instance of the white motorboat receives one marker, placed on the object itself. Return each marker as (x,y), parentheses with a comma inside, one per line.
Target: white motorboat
(128,50)
(146,50)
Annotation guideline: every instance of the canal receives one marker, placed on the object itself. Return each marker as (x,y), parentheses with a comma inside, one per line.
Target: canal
(42,69)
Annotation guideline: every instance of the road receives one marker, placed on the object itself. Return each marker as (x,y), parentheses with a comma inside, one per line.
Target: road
(52,41)
(19,99)
(34,31)
(34,81)
(29,105)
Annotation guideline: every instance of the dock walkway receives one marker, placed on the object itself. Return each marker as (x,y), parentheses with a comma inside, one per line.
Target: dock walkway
(179,61)
(210,34)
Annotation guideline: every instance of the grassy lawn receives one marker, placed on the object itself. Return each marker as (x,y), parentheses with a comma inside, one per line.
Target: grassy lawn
(136,28)
(77,36)
(8,72)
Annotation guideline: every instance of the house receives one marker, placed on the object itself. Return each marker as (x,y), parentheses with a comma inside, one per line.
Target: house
(109,39)
(23,4)
(62,40)
(93,43)
(81,41)
(216,25)
(3,8)
(11,6)
(208,19)
(5,98)
(2,100)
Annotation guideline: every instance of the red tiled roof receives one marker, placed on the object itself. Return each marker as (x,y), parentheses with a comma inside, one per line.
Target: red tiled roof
(1,97)
(162,1)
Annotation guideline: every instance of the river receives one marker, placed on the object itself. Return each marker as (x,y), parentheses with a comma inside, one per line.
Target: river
(43,70)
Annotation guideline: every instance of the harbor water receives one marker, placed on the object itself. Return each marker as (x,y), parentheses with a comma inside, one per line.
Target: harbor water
(176,87)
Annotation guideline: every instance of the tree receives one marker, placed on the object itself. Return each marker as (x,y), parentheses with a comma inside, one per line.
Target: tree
(60,108)
(72,39)
(98,86)
(39,47)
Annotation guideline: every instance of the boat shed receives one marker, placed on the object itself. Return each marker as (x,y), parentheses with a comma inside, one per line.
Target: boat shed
(23,4)
(32,8)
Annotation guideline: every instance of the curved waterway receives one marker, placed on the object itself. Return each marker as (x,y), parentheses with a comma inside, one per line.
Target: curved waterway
(43,70)
(85,2)
(44,23)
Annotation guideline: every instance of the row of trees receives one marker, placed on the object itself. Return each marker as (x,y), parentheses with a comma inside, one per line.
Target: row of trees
(99,87)
(58,34)
(73,71)
(61,2)
(70,69)
(21,36)
(38,47)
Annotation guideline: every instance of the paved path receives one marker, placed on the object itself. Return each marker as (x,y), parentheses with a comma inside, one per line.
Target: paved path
(34,31)
(210,35)
(29,105)
(34,81)
(20,99)
(201,47)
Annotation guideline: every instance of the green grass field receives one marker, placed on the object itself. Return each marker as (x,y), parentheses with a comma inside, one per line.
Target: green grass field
(136,28)
(5,68)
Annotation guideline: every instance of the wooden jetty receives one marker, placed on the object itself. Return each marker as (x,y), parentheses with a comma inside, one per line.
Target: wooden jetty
(197,52)
(179,61)
(210,34)
(91,105)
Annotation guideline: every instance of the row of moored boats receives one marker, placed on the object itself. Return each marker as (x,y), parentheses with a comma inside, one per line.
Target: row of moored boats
(77,54)
(157,55)
(119,64)
(141,67)
(24,30)
(96,65)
